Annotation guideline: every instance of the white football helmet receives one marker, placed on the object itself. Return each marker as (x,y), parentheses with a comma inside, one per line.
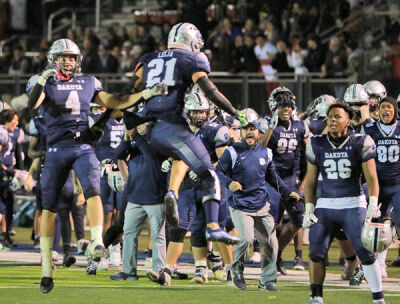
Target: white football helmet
(251,115)
(319,106)
(263,124)
(196,102)
(185,36)
(356,95)
(281,96)
(376,235)
(115,180)
(376,91)
(62,47)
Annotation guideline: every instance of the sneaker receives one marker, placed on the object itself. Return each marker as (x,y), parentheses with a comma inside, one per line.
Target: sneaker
(91,267)
(122,276)
(316,300)
(280,268)
(36,243)
(46,284)
(171,208)
(163,277)
(201,275)
(54,256)
(214,261)
(396,262)
(381,301)
(103,264)
(383,270)
(256,258)
(96,250)
(176,275)
(12,232)
(219,235)
(4,247)
(267,286)
(220,275)
(148,264)
(68,260)
(298,263)
(357,278)
(238,281)
(82,245)
(229,280)
(115,254)
(348,269)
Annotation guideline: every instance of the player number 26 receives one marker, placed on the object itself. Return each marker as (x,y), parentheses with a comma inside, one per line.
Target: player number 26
(337,168)
(161,71)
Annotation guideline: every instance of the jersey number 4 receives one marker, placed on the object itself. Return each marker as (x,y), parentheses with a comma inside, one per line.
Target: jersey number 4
(73,103)
(161,71)
(335,169)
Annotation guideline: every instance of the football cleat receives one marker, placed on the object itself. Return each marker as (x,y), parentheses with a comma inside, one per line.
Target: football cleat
(280,268)
(115,254)
(91,267)
(176,275)
(103,264)
(298,263)
(46,284)
(238,281)
(220,275)
(267,286)
(316,300)
(36,243)
(219,235)
(54,256)
(163,277)
(96,250)
(171,208)
(381,301)
(357,278)
(201,275)
(82,245)
(256,258)
(68,261)
(122,276)
(348,269)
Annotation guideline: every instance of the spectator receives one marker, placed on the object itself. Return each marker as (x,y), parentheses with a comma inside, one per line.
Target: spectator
(231,30)
(39,62)
(145,40)
(90,61)
(5,60)
(312,19)
(249,27)
(271,31)
(116,52)
(296,58)
(316,54)
(280,62)
(265,52)
(243,57)
(122,34)
(20,64)
(354,58)
(298,19)
(110,38)
(222,60)
(108,63)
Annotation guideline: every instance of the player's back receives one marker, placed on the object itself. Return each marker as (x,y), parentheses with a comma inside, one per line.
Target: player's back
(175,68)
(112,136)
(214,136)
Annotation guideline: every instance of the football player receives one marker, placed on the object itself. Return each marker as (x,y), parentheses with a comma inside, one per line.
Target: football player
(340,157)
(376,91)
(179,67)
(286,137)
(65,96)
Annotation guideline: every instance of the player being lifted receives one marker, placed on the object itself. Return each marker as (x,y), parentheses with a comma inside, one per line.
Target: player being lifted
(65,95)
(179,67)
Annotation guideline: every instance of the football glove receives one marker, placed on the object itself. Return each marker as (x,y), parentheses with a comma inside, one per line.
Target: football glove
(373,208)
(157,89)
(242,118)
(49,71)
(166,166)
(192,175)
(309,216)
(274,120)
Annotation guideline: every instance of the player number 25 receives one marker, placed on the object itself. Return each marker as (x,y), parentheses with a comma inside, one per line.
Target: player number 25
(335,169)
(161,71)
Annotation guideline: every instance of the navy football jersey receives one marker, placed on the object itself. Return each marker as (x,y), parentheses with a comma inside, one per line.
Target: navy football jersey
(66,106)
(174,68)
(387,151)
(37,128)
(286,147)
(315,125)
(113,134)
(340,167)
(13,138)
(214,136)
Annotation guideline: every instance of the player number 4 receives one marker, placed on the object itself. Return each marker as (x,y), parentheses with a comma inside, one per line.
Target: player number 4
(73,103)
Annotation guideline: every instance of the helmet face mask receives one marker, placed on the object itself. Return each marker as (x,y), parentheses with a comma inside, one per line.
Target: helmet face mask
(319,106)
(185,36)
(198,118)
(376,235)
(197,109)
(281,97)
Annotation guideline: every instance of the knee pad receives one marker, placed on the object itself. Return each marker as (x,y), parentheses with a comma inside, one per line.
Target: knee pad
(91,192)
(210,185)
(198,240)
(177,235)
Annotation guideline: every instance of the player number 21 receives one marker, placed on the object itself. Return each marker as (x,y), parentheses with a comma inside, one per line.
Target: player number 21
(161,71)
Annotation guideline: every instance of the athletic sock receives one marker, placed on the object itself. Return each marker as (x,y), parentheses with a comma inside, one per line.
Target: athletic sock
(96,234)
(316,290)
(46,249)
(299,253)
(66,249)
(211,209)
(373,276)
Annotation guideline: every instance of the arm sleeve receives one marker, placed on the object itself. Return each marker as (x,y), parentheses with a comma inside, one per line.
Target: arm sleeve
(310,155)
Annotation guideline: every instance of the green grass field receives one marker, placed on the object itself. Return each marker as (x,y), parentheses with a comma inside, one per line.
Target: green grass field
(20,284)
